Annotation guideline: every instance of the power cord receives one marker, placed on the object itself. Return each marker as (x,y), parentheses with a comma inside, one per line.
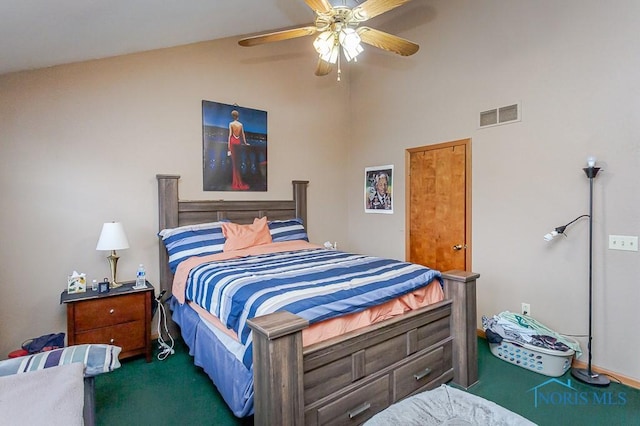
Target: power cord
(165,348)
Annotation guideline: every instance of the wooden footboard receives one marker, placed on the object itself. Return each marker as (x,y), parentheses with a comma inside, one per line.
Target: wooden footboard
(347,379)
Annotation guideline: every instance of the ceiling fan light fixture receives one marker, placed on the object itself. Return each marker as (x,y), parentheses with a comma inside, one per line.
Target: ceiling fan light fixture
(332,55)
(337,28)
(326,46)
(350,42)
(324,42)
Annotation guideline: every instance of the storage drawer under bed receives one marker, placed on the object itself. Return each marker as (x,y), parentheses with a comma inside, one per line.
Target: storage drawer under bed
(337,372)
(356,407)
(420,373)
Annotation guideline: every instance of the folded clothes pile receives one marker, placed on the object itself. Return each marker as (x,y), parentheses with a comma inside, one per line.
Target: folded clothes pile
(524,329)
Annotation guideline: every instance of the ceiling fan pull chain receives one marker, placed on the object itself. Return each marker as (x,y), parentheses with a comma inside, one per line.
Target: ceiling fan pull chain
(339,70)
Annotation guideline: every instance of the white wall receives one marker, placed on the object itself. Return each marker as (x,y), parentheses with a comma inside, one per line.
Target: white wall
(81,144)
(573,65)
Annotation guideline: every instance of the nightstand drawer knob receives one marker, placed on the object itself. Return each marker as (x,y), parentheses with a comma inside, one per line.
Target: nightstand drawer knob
(112,340)
(111,311)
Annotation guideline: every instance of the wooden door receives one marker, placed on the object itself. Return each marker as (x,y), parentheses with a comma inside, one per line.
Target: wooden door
(439,205)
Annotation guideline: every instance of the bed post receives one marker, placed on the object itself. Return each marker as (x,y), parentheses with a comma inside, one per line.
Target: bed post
(300,198)
(168,218)
(277,369)
(460,286)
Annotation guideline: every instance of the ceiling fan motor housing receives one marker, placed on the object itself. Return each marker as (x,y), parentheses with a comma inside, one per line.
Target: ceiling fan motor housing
(336,19)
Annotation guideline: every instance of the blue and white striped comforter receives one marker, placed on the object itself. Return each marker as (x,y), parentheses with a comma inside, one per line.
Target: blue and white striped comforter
(315,284)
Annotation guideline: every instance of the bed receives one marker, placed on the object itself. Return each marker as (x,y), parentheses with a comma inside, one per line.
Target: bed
(344,379)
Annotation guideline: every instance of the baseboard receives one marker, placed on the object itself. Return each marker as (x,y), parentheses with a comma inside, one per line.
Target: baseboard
(617,377)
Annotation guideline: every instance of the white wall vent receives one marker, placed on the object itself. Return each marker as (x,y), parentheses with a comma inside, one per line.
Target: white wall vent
(502,115)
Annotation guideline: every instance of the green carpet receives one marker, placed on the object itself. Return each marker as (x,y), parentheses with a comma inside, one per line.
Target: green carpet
(553,400)
(174,391)
(169,392)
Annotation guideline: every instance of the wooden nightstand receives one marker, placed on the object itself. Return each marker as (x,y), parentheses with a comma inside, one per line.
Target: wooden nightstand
(121,317)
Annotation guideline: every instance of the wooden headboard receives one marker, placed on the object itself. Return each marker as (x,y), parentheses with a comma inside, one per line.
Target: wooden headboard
(175,212)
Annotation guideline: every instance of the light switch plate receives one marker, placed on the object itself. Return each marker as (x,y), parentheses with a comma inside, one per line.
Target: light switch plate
(623,242)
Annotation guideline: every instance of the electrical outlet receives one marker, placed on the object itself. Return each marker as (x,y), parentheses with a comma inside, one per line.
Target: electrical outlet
(526,309)
(623,242)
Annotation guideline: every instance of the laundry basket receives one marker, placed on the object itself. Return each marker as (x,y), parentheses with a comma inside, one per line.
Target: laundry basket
(549,362)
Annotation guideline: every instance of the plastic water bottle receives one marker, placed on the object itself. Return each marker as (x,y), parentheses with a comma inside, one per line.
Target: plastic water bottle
(141,277)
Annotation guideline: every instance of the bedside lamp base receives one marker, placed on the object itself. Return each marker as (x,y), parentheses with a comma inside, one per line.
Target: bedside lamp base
(113,265)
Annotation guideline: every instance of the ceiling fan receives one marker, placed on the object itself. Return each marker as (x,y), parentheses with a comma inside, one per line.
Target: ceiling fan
(339,30)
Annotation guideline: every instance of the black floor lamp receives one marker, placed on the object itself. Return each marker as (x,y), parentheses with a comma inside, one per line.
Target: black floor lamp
(586,375)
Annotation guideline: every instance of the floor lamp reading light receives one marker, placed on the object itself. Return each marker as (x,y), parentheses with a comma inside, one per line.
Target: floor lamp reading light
(586,375)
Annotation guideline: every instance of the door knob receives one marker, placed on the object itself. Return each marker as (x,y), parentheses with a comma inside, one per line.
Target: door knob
(459,247)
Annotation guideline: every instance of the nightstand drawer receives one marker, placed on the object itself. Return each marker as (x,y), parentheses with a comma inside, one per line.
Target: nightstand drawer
(129,336)
(358,406)
(109,311)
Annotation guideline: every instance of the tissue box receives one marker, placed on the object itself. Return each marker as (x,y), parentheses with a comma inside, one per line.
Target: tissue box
(76,283)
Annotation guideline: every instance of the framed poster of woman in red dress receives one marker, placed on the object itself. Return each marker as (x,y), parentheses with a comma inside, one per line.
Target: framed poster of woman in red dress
(234,148)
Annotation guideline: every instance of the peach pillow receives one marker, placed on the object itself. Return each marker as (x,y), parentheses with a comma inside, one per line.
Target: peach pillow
(244,236)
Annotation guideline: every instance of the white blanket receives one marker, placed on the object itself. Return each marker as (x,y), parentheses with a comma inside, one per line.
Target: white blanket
(53,396)
(447,406)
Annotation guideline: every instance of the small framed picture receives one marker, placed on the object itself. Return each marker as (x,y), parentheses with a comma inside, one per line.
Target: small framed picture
(76,283)
(103,286)
(378,182)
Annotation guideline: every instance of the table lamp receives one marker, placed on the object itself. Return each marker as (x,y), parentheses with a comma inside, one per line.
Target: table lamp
(113,238)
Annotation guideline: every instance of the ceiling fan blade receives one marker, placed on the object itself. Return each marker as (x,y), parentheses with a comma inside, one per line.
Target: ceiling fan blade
(371,8)
(323,68)
(387,41)
(278,36)
(322,6)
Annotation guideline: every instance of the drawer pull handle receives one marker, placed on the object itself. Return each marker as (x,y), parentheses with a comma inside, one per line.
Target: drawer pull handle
(112,340)
(111,311)
(422,374)
(361,409)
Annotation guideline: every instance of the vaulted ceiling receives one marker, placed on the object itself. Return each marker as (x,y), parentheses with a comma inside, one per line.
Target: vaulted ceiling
(41,33)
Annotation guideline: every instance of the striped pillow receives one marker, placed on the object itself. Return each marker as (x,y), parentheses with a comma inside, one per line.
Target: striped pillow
(287,230)
(192,240)
(97,359)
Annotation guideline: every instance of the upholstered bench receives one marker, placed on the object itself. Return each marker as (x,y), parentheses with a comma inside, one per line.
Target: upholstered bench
(54,387)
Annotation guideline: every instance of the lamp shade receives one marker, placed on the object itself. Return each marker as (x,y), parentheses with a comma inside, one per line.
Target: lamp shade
(324,43)
(112,237)
(350,42)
